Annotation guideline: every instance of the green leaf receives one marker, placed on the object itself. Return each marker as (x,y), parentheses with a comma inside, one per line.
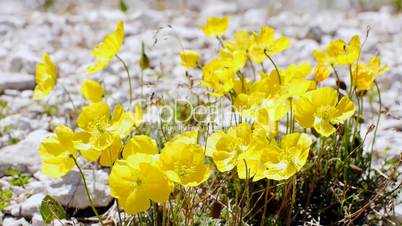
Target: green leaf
(123,6)
(51,209)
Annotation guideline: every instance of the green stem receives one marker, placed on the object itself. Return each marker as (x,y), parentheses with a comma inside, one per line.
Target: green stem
(337,78)
(142,84)
(292,205)
(87,191)
(292,120)
(118,212)
(276,67)
(378,117)
(351,82)
(267,190)
(70,98)
(128,76)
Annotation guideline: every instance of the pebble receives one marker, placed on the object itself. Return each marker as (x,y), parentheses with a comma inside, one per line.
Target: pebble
(18,81)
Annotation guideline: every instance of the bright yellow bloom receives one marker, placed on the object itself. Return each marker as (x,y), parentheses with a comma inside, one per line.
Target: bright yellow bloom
(338,52)
(140,144)
(364,75)
(138,180)
(265,44)
(320,109)
(184,163)
(107,49)
(229,150)
(230,145)
(215,26)
(106,155)
(102,132)
(280,163)
(190,58)
(189,137)
(46,74)
(92,90)
(217,76)
(234,52)
(56,152)
(278,90)
(321,72)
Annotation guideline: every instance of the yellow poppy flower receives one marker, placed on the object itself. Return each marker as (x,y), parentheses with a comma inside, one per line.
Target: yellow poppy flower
(364,75)
(266,44)
(56,151)
(264,123)
(280,163)
(92,90)
(89,148)
(320,109)
(189,137)
(230,145)
(184,163)
(189,58)
(338,52)
(322,72)
(102,132)
(215,26)
(136,181)
(107,49)
(217,76)
(234,52)
(140,144)
(45,76)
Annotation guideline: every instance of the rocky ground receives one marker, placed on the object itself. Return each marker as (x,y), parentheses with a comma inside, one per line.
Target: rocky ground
(69,35)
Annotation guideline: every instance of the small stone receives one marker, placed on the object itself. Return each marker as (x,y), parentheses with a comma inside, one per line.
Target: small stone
(23,60)
(70,191)
(37,220)
(18,81)
(24,155)
(9,221)
(31,205)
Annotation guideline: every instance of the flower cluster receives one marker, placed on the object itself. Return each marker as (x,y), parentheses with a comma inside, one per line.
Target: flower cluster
(142,171)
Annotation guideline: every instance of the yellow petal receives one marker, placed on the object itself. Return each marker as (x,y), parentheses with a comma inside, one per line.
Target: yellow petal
(140,144)
(92,90)
(105,50)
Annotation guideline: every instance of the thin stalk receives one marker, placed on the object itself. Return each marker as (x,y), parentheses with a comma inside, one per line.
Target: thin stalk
(87,191)
(128,77)
(155,213)
(292,120)
(70,98)
(351,82)
(253,69)
(276,67)
(220,40)
(118,212)
(337,78)
(267,190)
(142,83)
(378,118)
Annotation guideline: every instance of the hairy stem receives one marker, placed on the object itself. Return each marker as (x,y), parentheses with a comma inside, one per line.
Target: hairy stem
(87,191)
(128,77)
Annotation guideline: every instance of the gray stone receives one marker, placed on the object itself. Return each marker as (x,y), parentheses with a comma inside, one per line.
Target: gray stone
(31,205)
(37,220)
(16,122)
(23,60)
(9,221)
(24,155)
(70,191)
(18,81)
